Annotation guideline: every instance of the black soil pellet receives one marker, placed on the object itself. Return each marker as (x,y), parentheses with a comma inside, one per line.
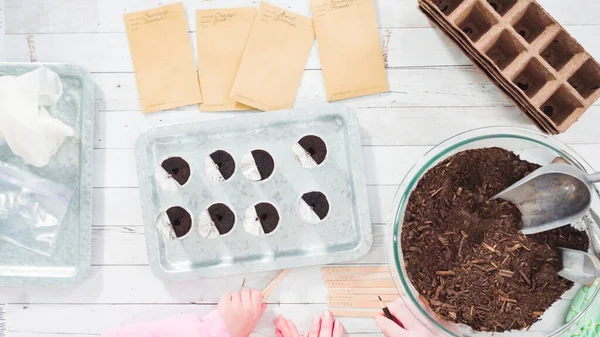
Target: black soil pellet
(264,163)
(180,220)
(222,216)
(318,203)
(315,147)
(178,168)
(268,216)
(224,162)
(548,110)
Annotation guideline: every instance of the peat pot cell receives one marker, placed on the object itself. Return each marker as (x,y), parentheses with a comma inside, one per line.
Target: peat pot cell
(177,169)
(477,22)
(257,165)
(310,151)
(218,219)
(261,219)
(505,50)
(175,223)
(313,207)
(532,78)
(533,23)
(586,80)
(447,6)
(561,50)
(219,166)
(502,6)
(560,105)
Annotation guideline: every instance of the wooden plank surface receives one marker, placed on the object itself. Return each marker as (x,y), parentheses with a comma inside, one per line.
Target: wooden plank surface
(434,94)
(92,16)
(403,47)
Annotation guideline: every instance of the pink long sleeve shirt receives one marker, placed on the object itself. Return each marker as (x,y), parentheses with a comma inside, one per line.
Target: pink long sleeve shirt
(211,325)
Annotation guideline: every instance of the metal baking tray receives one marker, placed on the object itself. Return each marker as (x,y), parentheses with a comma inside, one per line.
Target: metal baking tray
(344,235)
(70,262)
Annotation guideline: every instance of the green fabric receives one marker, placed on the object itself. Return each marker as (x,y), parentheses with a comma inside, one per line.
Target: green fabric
(591,321)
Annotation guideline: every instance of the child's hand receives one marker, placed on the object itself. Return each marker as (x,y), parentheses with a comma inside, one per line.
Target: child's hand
(241,311)
(325,326)
(412,327)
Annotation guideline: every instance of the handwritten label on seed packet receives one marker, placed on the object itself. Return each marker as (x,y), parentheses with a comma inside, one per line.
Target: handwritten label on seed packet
(163,58)
(349,47)
(274,59)
(222,35)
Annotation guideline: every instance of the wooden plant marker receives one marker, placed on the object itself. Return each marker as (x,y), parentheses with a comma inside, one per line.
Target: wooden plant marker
(360,298)
(360,284)
(357,288)
(356,313)
(356,277)
(269,289)
(363,291)
(355,270)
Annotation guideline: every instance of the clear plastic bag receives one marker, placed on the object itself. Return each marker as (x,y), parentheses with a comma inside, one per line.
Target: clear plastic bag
(31,209)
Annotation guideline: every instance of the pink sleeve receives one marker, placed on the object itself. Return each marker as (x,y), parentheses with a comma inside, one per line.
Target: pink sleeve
(210,325)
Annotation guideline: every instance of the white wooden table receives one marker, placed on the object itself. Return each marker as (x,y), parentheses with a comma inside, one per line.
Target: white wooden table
(434,94)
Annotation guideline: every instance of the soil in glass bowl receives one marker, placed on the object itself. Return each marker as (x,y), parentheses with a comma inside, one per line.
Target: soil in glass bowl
(464,253)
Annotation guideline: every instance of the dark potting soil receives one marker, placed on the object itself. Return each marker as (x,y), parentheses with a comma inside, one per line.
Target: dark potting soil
(464,252)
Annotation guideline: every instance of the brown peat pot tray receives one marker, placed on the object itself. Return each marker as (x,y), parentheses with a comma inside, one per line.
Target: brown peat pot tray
(534,61)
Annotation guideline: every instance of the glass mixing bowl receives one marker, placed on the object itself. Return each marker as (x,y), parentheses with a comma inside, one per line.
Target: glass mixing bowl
(531,146)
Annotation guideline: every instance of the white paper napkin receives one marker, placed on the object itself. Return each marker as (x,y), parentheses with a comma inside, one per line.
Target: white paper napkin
(25,123)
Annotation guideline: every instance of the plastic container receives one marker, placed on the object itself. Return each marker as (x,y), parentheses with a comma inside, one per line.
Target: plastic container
(531,146)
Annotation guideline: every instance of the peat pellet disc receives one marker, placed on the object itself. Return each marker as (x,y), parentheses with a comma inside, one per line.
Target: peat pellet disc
(313,207)
(172,174)
(219,166)
(310,151)
(216,220)
(175,223)
(257,165)
(178,169)
(261,219)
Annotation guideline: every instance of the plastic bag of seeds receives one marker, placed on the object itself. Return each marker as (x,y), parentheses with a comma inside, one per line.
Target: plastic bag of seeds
(31,209)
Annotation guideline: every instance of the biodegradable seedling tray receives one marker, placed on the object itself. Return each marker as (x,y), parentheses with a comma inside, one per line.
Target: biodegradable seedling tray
(215,213)
(526,53)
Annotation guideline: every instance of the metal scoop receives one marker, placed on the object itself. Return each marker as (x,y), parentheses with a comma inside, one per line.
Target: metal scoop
(552,196)
(579,267)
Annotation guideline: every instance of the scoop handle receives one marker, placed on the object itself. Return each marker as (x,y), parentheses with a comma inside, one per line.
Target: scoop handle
(594,177)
